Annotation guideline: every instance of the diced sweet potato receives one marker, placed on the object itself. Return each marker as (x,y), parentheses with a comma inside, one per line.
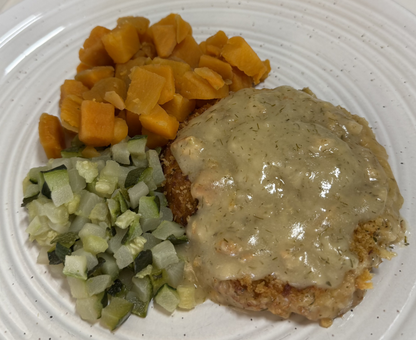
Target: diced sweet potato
(219,66)
(203,46)
(89,152)
(122,43)
(179,107)
(188,51)
(93,52)
(144,90)
(91,76)
(179,68)
(182,28)
(164,38)
(82,67)
(167,20)
(268,69)
(213,78)
(96,124)
(51,135)
(141,23)
(166,72)
(105,85)
(147,49)
(72,86)
(240,80)
(133,123)
(71,112)
(120,130)
(240,54)
(115,99)
(213,50)
(219,39)
(123,70)
(159,122)
(195,87)
(154,140)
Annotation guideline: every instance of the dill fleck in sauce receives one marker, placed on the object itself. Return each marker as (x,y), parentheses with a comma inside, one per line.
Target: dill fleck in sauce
(282,180)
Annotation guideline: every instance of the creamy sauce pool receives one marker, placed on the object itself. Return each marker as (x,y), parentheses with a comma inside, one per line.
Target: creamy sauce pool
(282,180)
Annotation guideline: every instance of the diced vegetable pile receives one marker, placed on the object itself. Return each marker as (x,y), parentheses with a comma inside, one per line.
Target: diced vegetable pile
(97,207)
(141,79)
(105,221)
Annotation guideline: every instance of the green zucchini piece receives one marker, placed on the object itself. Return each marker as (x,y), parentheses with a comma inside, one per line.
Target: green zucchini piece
(90,308)
(57,255)
(116,313)
(135,230)
(68,239)
(158,279)
(77,287)
(177,240)
(76,266)
(164,254)
(154,163)
(121,153)
(73,151)
(166,229)
(56,186)
(142,260)
(139,307)
(186,296)
(168,298)
(143,287)
(118,289)
(98,284)
(97,268)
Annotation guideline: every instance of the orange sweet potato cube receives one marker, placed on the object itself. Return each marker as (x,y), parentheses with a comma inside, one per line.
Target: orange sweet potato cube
(91,76)
(51,135)
(219,39)
(268,69)
(120,130)
(182,28)
(217,65)
(123,70)
(93,52)
(188,51)
(164,38)
(213,78)
(72,86)
(167,20)
(122,43)
(144,90)
(179,107)
(240,80)
(213,50)
(203,46)
(195,87)
(166,72)
(179,68)
(82,67)
(160,123)
(240,54)
(105,85)
(147,49)
(154,140)
(96,123)
(71,112)
(141,23)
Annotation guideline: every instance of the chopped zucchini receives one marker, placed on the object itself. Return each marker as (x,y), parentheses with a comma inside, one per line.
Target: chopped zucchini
(116,313)
(168,298)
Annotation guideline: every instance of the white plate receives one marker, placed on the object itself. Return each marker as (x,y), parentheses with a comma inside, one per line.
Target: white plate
(357,53)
